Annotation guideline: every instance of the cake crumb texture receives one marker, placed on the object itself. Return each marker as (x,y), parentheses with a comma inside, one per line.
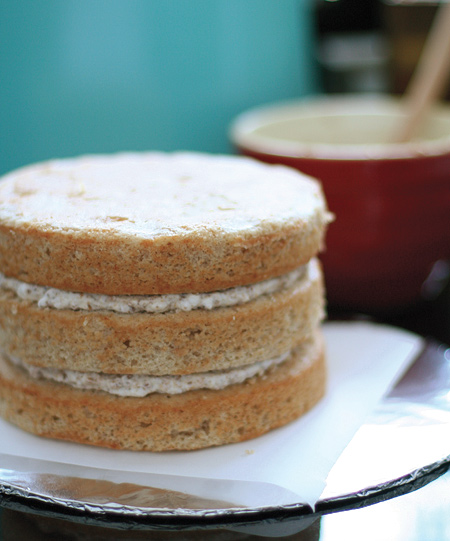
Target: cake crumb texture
(154,223)
(160,344)
(187,421)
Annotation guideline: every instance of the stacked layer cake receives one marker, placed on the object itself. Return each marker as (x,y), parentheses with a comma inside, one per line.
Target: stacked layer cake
(156,301)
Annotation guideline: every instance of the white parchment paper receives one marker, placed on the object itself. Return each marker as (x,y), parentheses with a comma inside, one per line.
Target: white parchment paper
(364,361)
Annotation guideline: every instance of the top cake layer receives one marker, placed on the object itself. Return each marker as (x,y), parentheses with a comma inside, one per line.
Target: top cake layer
(154,223)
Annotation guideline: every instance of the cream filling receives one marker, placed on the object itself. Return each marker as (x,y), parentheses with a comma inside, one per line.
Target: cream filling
(47,297)
(137,385)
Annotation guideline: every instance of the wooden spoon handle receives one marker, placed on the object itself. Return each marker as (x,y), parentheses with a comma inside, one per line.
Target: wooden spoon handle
(430,75)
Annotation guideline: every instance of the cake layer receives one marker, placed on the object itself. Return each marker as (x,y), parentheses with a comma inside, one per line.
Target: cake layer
(168,343)
(153,304)
(143,385)
(160,422)
(156,223)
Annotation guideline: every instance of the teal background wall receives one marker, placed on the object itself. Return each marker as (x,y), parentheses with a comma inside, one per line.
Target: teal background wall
(83,76)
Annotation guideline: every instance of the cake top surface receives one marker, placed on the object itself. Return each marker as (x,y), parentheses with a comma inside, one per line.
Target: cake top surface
(155,223)
(155,194)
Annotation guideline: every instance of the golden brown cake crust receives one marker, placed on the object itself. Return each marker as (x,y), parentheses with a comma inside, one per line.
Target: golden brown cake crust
(186,421)
(153,223)
(168,343)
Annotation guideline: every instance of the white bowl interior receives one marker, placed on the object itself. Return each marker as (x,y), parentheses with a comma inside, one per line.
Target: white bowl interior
(344,127)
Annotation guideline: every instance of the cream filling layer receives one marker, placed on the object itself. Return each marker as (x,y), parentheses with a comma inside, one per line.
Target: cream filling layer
(47,297)
(137,385)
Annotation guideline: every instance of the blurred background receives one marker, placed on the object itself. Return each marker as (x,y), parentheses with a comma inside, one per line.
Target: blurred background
(83,76)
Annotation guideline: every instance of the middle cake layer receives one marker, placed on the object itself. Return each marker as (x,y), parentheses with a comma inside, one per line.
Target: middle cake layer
(175,342)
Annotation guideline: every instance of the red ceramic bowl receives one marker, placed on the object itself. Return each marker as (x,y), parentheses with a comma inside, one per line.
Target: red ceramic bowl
(391,201)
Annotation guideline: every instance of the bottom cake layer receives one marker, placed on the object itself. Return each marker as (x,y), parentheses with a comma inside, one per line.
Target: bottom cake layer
(162,422)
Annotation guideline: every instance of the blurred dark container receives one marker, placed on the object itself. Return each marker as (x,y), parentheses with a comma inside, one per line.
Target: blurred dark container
(406,24)
(351,54)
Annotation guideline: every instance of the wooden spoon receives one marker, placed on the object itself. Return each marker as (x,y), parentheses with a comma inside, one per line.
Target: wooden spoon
(430,76)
